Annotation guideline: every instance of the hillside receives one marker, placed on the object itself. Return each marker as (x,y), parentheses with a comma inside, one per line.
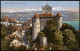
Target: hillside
(24,16)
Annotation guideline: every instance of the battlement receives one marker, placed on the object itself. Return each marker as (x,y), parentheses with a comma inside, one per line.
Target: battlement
(46,9)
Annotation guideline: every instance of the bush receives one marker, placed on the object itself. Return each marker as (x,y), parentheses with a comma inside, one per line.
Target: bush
(52,33)
(67,26)
(70,40)
(3,31)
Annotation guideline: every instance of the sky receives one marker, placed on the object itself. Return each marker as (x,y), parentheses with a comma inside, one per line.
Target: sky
(18,6)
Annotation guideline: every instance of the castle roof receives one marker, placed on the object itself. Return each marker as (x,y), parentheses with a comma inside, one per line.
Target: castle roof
(58,14)
(36,15)
(46,15)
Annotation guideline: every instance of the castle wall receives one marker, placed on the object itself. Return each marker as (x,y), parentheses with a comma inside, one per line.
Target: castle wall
(43,41)
(43,22)
(35,28)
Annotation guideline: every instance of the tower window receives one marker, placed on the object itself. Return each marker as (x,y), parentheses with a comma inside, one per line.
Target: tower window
(15,43)
(38,27)
(38,23)
(18,42)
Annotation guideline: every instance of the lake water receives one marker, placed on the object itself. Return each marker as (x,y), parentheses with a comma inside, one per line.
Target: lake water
(75,24)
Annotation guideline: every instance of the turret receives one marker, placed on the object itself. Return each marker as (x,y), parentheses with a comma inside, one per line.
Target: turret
(46,9)
(59,20)
(35,26)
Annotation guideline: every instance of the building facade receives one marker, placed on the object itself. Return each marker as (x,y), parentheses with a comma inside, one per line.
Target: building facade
(43,41)
(39,20)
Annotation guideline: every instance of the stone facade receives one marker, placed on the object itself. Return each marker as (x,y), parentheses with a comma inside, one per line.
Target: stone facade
(43,41)
(35,26)
(39,21)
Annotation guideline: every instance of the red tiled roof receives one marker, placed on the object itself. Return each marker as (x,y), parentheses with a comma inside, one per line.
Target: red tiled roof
(25,22)
(58,14)
(43,15)
(46,15)
(9,37)
(13,19)
(9,19)
(6,18)
(36,15)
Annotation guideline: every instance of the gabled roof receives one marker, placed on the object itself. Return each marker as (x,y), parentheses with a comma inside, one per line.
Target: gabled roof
(18,38)
(9,19)
(58,14)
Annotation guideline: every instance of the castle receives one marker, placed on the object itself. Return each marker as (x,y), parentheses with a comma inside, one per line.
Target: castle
(39,20)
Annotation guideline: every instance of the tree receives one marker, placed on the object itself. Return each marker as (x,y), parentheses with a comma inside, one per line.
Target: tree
(58,38)
(41,34)
(52,21)
(67,26)
(5,44)
(3,31)
(52,33)
(69,39)
(12,28)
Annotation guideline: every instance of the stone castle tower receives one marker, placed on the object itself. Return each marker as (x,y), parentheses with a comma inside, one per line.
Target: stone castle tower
(39,20)
(46,9)
(59,20)
(35,26)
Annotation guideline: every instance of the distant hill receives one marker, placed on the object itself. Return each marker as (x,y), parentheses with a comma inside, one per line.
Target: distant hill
(24,16)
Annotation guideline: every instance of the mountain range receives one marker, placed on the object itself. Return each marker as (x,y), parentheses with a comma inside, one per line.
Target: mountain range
(27,15)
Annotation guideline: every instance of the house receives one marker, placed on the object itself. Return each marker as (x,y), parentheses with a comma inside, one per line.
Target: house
(29,23)
(20,38)
(8,21)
